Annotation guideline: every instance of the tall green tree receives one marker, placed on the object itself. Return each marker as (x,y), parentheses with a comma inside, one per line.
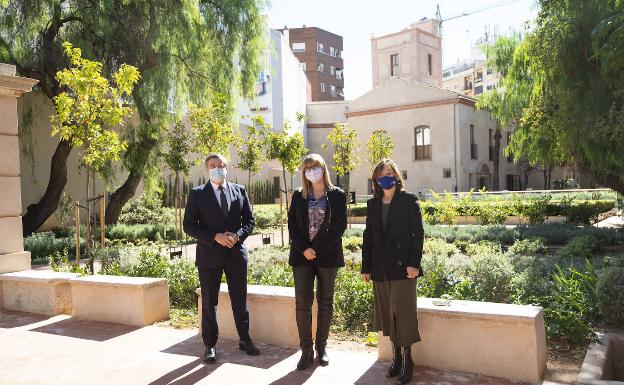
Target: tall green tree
(506,102)
(177,154)
(346,148)
(252,155)
(185,52)
(577,101)
(288,148)
(379,146)
(90,108)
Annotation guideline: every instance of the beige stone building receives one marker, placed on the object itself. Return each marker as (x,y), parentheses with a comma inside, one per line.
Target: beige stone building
(442,142)
(414,54)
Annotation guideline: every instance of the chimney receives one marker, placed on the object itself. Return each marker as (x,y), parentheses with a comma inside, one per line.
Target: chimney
(304,26)
(285,27)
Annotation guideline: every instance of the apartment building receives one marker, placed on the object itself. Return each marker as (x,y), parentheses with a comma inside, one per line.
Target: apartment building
(320,53)
(472,77)
(414,53)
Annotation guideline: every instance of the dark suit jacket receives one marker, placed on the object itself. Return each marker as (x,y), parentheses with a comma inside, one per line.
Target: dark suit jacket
(386,253)
(203,219)
(328,241)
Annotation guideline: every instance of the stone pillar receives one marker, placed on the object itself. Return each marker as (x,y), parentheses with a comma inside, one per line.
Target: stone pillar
(12,254)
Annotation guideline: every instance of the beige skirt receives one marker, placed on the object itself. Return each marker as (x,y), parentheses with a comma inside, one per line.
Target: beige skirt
(395,311)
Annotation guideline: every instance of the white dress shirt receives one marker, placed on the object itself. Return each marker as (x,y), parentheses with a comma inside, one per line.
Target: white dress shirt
(226,190)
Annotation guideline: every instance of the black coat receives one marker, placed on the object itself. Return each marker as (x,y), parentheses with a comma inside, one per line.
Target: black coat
(328,241)
(386,253)
(203,219)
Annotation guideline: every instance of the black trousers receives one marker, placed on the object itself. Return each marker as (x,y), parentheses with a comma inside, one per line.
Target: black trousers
(304,296)
(210,281)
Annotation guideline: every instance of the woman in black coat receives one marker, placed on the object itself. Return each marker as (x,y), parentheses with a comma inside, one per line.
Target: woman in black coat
(391,254)
(317,218)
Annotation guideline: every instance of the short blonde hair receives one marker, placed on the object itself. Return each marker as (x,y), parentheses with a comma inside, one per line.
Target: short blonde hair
(311,161)
(377,190)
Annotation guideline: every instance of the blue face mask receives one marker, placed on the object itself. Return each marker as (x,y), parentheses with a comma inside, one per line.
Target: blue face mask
(387,182)
(217,175)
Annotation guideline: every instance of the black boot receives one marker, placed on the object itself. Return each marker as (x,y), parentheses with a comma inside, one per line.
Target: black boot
(321,355)
(407,366)
(395,367)
(307,357)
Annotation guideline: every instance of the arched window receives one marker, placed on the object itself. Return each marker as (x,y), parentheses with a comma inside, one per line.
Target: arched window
(422,142)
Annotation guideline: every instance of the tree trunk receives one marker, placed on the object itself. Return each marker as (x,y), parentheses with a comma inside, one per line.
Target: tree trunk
(545,172)
(285,187)
(496,159)
(527,172)
(38,213)
(121,196)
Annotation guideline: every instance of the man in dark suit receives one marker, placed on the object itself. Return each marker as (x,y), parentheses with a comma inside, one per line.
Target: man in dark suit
(218,214)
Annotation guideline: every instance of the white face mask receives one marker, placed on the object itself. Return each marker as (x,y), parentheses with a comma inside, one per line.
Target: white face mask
(217,175)
(314,175)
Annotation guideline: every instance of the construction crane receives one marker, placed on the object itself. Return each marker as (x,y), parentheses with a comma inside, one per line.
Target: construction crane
(471,12)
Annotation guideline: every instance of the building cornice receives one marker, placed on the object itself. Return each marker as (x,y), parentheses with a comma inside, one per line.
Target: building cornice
(321,125)
(412,106)
(15,85)
(408,30)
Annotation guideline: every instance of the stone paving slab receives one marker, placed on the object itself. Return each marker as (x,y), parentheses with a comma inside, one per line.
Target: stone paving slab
(64,350)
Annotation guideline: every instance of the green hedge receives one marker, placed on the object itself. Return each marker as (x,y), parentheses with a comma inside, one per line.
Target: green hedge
(446,210)
(43,245)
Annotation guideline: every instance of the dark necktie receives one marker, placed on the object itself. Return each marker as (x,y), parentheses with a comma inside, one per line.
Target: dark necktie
(224,205)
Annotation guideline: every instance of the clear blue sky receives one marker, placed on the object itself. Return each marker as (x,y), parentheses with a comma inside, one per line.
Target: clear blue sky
(356,20)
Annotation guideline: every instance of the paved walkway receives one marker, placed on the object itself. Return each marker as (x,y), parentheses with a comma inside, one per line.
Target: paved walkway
(63,350)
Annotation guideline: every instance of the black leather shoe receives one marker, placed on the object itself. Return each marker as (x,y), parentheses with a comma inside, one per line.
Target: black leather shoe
(249,348)
(322,357)
(210,355)
(307,358)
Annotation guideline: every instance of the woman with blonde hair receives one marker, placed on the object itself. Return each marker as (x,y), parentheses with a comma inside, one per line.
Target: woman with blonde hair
(391,254)
(317,218)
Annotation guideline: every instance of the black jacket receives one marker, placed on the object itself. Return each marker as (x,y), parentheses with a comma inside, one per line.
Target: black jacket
(203,219)
(386,254)
(328,241)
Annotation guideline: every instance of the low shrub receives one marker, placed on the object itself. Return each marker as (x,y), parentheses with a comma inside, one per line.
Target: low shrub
(181,274)
(532,276)
(438,247)
(610,294)
(569,309)
(472,233)
(438,279)
(352,243)
(530,246)
(489,213)
(491,277)
(586,212)
(43,245)
(580,247)
(353,303)
(146,210)
(561,233)
(483,248)
(135,233)
(267,216)
(353,233)
(533,210)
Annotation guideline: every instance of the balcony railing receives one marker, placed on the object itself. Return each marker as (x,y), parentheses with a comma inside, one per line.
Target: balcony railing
(422,152)
(474,154)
